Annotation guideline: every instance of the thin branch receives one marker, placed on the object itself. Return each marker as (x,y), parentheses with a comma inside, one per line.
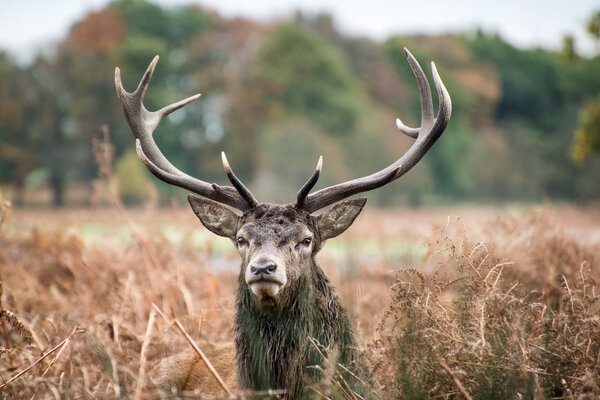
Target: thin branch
(162,314)
(74,332)
(358,379)
(458,384)
(142,371)
(319,393)
(197,349)
(63,347)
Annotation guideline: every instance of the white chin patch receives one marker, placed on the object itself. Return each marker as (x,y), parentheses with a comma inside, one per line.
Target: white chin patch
(264,290)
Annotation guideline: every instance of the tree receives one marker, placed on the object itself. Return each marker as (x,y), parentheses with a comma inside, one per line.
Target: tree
(568,48)
(587,136)
(300,73)
(593,26)
(16,158)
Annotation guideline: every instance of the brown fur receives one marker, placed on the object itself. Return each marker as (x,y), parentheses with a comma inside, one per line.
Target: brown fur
(274,327)
(185,371)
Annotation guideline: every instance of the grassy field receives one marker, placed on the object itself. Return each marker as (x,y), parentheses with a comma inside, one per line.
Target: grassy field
(468,302)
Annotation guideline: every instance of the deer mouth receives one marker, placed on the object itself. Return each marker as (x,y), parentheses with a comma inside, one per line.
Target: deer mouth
(265,288)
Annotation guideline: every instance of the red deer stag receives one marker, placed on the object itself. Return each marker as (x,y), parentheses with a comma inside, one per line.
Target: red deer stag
(283,298)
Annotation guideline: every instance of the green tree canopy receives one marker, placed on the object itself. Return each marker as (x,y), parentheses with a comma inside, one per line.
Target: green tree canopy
(302,74)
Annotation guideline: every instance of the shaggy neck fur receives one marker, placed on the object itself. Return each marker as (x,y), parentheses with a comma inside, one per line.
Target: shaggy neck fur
(273,347)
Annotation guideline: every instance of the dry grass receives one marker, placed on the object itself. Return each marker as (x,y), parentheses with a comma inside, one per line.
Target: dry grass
(515,316)
(55,283)
(490,308)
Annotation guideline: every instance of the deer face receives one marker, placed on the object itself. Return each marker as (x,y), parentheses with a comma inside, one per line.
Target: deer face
(277,243)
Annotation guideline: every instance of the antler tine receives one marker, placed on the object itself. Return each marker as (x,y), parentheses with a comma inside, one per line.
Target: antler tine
(143,123)
(426,135)
(237,184)
(445,106)
(310,183)
(427,115)
(408,131)
(140,91)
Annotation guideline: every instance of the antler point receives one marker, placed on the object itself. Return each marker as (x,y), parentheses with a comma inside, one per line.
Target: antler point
(225,163)
(118,82)
(409,55)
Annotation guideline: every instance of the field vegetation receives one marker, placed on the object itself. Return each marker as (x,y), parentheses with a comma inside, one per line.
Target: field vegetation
(491,305)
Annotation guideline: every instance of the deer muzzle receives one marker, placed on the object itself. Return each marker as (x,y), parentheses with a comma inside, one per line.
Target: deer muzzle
(265,277)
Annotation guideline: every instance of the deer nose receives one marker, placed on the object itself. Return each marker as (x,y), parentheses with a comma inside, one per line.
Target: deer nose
(264,268)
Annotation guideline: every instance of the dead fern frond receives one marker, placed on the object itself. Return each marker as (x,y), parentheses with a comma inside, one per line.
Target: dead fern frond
(16,324)
(415,272)
(509,331)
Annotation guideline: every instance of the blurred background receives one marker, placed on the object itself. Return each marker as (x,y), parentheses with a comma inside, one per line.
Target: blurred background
(510,194)
(284,82)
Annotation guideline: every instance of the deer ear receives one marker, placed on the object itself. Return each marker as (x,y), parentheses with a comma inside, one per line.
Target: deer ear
(215,217)
(339,217)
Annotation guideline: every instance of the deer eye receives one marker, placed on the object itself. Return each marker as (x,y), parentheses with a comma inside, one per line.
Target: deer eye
(241,241)
(305,242)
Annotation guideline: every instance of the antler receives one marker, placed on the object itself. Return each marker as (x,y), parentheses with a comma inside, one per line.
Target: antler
(143,122)
(426,135)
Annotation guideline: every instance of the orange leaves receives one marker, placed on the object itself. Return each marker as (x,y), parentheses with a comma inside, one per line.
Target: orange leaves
(99,32)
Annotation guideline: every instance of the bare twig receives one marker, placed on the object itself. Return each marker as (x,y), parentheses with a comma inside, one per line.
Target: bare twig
(162,314)
(359,379)
(74,332)
(142,371)
(482,325)
(334,381)
(319,393)
(261,393)
(198,351)
(62,348)
(458,384)
(348,393)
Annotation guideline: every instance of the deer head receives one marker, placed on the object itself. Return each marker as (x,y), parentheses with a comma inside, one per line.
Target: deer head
(278,243)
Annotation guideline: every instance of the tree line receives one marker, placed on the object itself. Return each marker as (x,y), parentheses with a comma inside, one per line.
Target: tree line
(277,95)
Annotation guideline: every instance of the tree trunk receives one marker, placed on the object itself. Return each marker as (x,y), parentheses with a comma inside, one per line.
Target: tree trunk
(58,190)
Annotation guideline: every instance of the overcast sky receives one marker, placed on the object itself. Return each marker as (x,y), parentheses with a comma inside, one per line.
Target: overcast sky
(27,26)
